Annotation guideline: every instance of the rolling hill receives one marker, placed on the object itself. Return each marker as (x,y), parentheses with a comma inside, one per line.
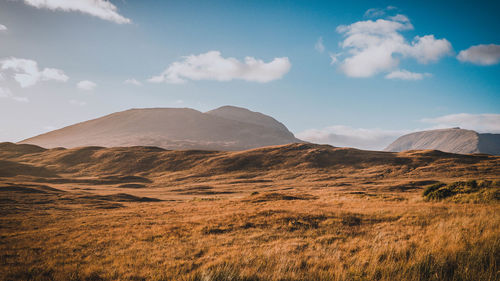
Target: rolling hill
(307,160)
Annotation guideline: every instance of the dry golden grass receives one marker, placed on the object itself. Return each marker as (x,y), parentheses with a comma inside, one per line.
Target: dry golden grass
(312,217)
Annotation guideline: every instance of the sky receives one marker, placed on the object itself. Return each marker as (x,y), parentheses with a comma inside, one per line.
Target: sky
(346,73)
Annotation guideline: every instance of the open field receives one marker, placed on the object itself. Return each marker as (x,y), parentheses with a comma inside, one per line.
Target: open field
(293,212)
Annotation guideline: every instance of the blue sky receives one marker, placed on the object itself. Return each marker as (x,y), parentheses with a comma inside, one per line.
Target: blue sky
(385,80)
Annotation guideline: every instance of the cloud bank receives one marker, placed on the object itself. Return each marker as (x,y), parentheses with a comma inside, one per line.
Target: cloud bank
(27,73)
(378,46)
(98,8)
(346,136)
(212,66)
(481,54)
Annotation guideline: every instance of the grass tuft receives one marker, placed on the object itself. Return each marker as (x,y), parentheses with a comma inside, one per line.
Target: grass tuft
(470,191)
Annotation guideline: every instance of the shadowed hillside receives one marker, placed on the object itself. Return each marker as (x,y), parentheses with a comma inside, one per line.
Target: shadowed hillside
(288,159)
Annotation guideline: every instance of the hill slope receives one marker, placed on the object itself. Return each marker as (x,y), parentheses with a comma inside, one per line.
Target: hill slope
(291,160)
(226,128)
(453,140)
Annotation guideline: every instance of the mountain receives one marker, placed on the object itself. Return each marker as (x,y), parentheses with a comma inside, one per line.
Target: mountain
(225,128)
(453,140)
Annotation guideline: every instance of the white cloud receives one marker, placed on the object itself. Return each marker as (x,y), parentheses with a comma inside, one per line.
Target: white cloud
(377,46)
(77,102)
(339,135)
(319,45)
(481,54)
(212,66)
(3,27)
(27,74)
(132,82)
(484,123)
(86,85)
(99,8)
(21,99)
(428,49)
(406,75)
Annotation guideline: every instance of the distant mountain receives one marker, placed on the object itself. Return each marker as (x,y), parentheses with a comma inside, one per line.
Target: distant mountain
(225,128)
(453,140)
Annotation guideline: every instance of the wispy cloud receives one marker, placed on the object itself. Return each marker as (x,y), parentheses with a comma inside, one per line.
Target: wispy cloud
(6,93)
(319,46)
(481,54)
(378,12)
(406,75)
(77,102)
(3,27)
(375,46)
(86,85)
(20,99)
(98,8)
(485,123)
(27,74)
(374,13)
(212,66)
(132,82)
(334,58)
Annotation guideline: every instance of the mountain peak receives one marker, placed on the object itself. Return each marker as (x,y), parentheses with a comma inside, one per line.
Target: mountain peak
(241,114)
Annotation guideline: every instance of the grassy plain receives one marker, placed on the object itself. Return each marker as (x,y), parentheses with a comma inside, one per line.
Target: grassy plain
(294,212)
